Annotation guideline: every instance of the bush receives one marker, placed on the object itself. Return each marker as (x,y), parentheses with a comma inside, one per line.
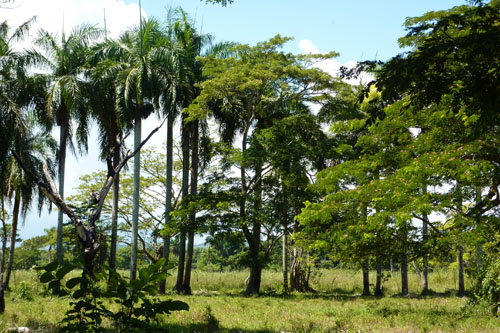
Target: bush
(25,290)
(138,305)
(487,285)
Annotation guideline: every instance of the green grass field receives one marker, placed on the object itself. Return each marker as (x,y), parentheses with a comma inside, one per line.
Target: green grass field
(218,305)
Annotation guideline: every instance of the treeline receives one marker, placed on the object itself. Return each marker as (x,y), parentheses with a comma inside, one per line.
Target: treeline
(408,170)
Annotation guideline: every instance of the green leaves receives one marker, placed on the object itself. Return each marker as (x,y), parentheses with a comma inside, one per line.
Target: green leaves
(46,277)
(88,306)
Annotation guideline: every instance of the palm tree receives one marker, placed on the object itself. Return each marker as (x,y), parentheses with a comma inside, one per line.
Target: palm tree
(18,91)
(102,103)
(65,59)
(189,44)
(129,62)
(34,149)
(12,73)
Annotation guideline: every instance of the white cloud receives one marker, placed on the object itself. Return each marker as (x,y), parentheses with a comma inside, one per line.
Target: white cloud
(332,66)
(307,46)
(50,13)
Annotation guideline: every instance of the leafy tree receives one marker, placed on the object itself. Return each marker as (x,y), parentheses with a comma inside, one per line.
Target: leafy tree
(439,130)
(244,94)
(32,252)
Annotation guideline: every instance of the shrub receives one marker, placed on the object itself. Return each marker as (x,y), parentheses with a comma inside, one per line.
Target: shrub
(487,285)
(138,305)
(25,290)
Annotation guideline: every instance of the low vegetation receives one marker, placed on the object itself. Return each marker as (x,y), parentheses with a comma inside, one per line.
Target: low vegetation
(219,304)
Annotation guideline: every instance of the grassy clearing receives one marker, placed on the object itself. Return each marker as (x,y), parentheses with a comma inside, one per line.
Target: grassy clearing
(219,305)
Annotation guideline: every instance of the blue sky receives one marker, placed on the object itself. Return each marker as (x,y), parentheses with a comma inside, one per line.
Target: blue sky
(357,29)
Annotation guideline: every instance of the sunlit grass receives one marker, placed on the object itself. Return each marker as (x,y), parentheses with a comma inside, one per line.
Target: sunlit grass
(219,304)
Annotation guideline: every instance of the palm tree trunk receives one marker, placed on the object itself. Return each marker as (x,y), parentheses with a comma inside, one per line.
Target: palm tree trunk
(366,277)
(192,215)
(63,139)
(168,200)
(114,212)
(184,194)
(13,233)
(2,260)
(136,193)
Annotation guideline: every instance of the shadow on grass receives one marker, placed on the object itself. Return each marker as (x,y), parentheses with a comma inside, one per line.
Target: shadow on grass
(432,294)
(204,328)
(339,294)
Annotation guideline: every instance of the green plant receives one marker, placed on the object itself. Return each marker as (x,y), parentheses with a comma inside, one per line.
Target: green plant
(487,286)
(137,304)
(25,290)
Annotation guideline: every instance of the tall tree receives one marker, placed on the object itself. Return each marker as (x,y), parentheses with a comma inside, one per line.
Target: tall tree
(102,101)
(34,149)
(19,94)
(247,89)
(65,57)
(130,63)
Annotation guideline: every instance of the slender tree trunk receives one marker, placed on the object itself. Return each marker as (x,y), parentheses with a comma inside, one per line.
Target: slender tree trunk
(366,277)
(63,139)
(192,215)
(285,258)
(391,266)
(13,233)
(425,259)
(366,263)
(2,259)
(135,198)
(114,212)
(404,273)
(168,200)
(461,277)
(186,286)
(378,284)
(184,194)
(479,248)
(425,288)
